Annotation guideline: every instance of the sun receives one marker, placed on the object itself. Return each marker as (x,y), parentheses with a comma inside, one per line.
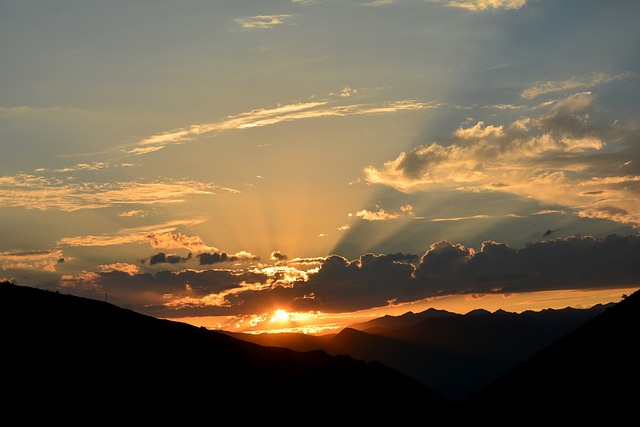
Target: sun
(280,316)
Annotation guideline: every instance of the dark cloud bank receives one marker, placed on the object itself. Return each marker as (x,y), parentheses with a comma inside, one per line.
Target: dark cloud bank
(579,262)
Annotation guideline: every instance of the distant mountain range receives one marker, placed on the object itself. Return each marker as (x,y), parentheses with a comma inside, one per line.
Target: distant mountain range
(450,353)
(74,359)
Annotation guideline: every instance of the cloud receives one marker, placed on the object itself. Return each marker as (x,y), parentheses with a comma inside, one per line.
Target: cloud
(460,218)
(97,241)
(134,212)
(262,22)
(335,284)
(376,3)
(271,116)
(162,292)
(215,258)
(45,260)
(574,262)
(162,258)
(95,166)
(479,131)
(70,194)
(169,240)
(124,267)
(156,234)
(14,111)
(446,268)
(478,5)
(558,157)
(581,83)
(382,215)
(278,256)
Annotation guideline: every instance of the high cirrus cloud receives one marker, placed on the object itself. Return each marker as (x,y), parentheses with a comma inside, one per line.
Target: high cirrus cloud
(477,5)
(557,157)
(382,215)
(70,194)
(45,260)
(159,236)
(262,22)
(582,83)
(271,116)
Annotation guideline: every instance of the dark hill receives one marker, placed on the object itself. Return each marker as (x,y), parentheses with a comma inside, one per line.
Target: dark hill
(590,375)
(70,358)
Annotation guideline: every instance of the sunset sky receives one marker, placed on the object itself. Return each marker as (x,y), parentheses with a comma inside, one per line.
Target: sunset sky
(257,164)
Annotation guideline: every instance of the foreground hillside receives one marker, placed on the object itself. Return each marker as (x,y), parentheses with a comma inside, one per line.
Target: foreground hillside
(591,375)
(72,357)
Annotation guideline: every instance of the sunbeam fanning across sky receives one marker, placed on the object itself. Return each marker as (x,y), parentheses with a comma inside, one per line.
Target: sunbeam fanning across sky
(303,165)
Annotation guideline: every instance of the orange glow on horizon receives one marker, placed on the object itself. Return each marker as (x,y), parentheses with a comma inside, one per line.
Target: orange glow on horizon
(318,323)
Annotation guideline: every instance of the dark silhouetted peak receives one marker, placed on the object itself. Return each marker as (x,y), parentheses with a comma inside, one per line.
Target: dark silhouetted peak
(478,312)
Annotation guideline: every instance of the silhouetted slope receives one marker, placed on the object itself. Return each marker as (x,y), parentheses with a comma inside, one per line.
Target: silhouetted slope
(69,354)
(450,353)
(456,354)
(589,375)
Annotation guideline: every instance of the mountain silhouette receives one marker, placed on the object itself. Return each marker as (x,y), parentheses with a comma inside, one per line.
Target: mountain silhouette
(74,359)
(450,353)
(67,357)
(590,375)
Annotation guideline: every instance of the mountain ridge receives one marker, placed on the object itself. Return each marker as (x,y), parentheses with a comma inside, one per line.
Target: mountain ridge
(453,354)
(72,355)
(589,375)
(74,359)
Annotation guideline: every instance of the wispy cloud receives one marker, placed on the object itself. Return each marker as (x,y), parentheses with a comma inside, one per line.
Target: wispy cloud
(460,218)
(478,5)
(382,215)
(45,260)
(14,111)
(95,166)
(262,22)
(376,3)
(132,213)
(271,116)
(157,235)
(50,193)
(99,240)
(574,83)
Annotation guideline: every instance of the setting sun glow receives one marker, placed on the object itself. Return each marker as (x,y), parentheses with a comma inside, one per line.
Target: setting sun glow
(236,169)
(281,316)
